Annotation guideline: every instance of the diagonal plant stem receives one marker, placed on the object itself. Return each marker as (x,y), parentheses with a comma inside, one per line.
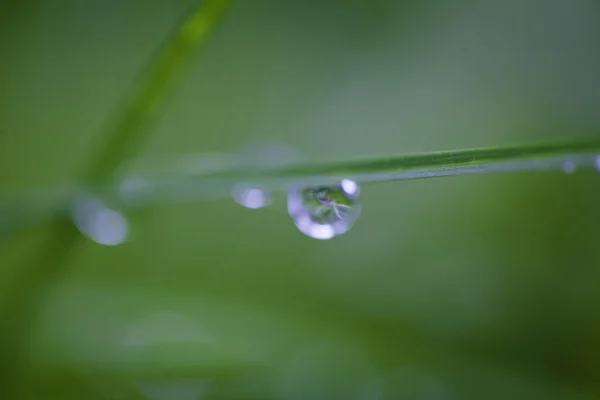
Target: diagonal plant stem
(122,138)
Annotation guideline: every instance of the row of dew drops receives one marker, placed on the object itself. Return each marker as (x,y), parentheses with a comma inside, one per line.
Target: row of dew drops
(321,212)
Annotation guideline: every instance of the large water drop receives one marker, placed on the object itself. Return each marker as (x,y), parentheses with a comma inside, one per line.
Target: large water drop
(324,212)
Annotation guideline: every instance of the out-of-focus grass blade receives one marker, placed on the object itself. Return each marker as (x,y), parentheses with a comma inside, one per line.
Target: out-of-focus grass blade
(127,131)
(124,134)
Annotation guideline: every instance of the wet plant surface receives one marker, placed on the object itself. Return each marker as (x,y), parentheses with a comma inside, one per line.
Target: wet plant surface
(146,192)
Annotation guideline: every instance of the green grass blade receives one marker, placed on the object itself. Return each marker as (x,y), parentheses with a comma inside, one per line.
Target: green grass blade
(184,182)
(210,176)
(123,138)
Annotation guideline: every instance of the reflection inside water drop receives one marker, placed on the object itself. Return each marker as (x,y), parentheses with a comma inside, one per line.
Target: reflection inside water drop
(99,223)
(325,211)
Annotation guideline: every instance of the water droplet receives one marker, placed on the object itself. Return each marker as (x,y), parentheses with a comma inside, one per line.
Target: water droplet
(325,211)
(598,162)
(568,167)
(251,196)
(261,155)
(100,223)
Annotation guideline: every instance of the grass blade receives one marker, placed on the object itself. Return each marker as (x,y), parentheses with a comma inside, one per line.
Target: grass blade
(210,176)
(128,130)
(184,182)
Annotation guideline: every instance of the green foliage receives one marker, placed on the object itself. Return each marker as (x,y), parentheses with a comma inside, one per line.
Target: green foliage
(476,287)
(122,139)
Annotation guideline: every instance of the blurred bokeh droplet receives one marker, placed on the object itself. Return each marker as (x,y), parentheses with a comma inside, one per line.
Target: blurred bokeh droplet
(100,223)
(568,167)
(251,197)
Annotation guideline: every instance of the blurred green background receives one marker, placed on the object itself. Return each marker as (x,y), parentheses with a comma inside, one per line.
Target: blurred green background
(461,288)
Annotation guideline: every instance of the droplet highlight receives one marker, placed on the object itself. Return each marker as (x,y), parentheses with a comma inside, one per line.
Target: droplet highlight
(326,211)
(100,223)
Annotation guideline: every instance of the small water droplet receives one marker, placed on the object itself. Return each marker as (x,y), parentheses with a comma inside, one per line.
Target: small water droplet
(100,223)
(568,167)
(251,196)
(326,211)
(261,155)
(598,162)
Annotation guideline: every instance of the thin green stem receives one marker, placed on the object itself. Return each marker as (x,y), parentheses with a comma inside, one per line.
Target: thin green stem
(199,177)
(183,181)
(128,131)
